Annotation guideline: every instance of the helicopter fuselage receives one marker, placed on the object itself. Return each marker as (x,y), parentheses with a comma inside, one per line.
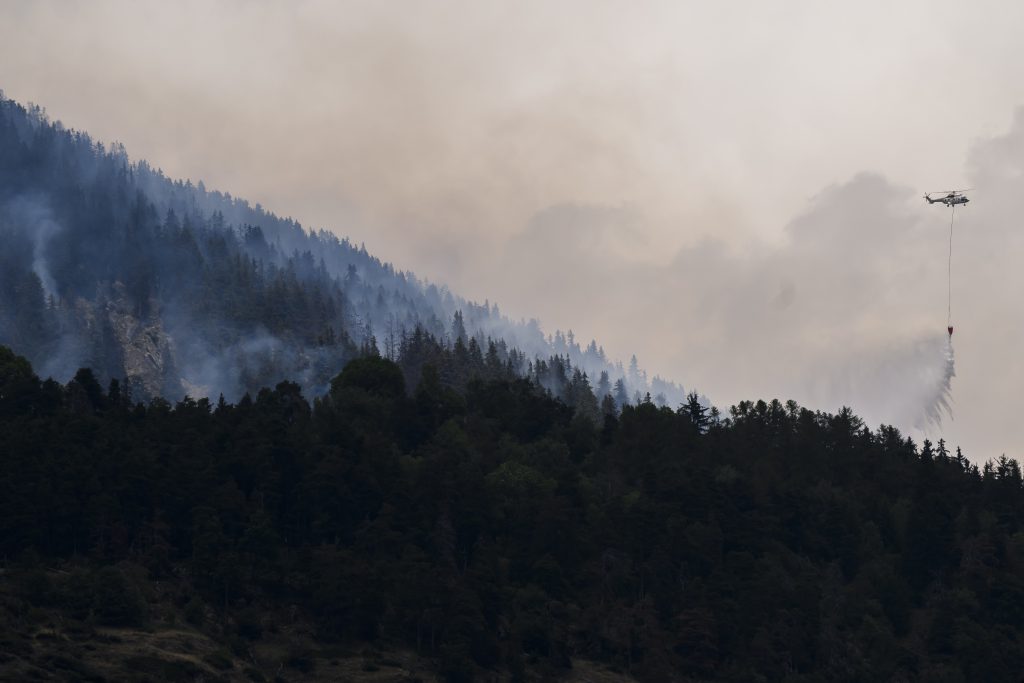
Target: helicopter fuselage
(949,200)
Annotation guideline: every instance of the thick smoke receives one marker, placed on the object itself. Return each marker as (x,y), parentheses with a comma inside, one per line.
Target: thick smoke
(837,314)
(442,142)
(186,291)
(844,311)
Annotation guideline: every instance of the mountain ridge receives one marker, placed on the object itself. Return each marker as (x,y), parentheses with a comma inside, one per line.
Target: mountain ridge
(183,290)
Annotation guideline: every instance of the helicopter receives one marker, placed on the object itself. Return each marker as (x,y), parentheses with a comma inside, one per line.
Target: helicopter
(951,198)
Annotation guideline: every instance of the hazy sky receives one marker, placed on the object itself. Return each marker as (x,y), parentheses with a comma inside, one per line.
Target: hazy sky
(730,190)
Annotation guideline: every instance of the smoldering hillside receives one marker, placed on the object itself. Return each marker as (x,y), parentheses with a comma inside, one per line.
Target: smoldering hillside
(110,265)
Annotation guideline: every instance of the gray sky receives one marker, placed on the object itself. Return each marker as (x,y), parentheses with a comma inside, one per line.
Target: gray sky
(730,190)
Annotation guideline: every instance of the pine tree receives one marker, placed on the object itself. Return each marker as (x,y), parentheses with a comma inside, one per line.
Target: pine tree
(621,394)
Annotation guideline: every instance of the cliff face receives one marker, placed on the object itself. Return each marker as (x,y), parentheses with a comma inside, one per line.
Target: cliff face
(122,346)
(147,352)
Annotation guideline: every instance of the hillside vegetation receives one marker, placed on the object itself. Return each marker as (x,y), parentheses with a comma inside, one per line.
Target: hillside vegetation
(108,264)
(485,530)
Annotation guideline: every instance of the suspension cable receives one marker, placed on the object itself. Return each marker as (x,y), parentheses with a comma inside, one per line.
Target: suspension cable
(949,271)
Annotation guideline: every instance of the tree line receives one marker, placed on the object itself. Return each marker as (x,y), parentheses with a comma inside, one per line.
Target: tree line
(492,527)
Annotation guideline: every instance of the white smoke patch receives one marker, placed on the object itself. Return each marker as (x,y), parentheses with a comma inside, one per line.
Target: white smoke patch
(39,266)
(32,216)
(211,372)
(256,360)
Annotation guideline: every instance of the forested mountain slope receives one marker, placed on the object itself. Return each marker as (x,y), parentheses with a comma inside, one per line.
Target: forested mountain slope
(108,264)
(491,533)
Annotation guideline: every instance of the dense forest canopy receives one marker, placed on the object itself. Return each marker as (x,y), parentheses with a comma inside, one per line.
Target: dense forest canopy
(106,263)
(493,529)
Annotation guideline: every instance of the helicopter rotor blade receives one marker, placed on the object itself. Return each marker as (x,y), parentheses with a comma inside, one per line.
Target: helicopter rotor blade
(948,193)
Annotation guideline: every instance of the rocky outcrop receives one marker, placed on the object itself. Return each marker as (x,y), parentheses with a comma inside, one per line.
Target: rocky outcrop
(146,349)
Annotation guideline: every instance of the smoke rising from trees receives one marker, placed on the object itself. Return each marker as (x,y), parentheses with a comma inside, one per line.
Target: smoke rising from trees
(111,265)
(443,137)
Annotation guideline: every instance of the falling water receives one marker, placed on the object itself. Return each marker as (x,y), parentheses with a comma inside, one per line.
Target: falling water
(939,399)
